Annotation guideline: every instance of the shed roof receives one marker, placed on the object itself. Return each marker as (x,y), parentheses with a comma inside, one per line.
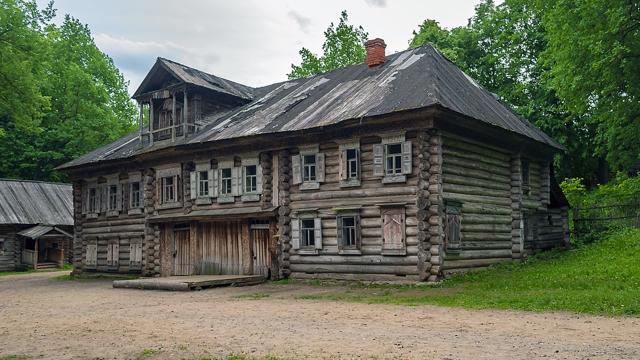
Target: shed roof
(409,80)
(35,202)
(39,230)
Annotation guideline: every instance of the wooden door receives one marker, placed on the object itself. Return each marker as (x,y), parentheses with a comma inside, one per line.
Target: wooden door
(393,231)
(223,250)
(181,251)
(260,251)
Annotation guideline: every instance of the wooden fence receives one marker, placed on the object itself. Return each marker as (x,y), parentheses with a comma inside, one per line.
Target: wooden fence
(589,223)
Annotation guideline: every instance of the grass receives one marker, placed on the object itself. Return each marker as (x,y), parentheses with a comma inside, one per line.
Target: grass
(602,278)
(147,353)
(66,267)
(13,357)
(254,296)
(97,277)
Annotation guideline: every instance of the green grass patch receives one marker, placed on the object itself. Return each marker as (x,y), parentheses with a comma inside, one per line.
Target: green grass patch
(147,353)
(602,278)
(96,277)
(66,267)
(254,296)
(13,357)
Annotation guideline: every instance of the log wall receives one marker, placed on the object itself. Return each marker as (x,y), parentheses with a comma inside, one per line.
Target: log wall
(370,195)
(10,257)
(480,177)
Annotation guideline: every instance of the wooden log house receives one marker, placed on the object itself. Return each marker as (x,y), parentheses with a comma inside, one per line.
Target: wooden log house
(36,225)
(401,167)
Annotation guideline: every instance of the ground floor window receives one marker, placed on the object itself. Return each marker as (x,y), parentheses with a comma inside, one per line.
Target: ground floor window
(307,229)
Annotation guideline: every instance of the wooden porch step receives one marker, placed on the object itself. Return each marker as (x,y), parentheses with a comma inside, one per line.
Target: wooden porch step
(187,283)
(46,265)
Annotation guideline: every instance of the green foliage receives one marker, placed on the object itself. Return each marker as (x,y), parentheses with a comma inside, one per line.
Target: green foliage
(602,278)
(614,192)
(594,61)
(501,48)
(71,98)
(343,46)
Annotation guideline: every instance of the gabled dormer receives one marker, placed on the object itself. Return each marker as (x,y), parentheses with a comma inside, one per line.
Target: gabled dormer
(178,99)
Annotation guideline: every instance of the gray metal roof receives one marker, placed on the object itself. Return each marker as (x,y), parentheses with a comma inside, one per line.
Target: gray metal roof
(37,231)
(409,80)
(34,202)
(200,78)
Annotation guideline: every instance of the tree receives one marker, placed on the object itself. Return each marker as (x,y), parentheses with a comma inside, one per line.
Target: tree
(85,102)
(343,46)
(501,48)
(594,61)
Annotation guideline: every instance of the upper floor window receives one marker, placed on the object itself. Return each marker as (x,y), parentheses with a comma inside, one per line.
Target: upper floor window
(113,197)
(203,183)
(308,168)
(392,159)
(250,178)
(135,195)
(168,189)
(526,177)
(225,181)
(349,163)
(93,200)
(393,156)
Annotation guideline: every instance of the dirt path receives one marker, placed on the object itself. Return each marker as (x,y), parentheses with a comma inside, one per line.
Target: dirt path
(49,319)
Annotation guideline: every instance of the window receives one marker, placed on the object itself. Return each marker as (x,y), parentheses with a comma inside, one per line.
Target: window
(308,168)
(251,179)
(307,232)
(526,177)
(135,195)
(352,163)
(203,183)
(348,226)
(93,200)
(452,226)
(225,181)
(113,197)
(393,159)
(2,246)
(168,189)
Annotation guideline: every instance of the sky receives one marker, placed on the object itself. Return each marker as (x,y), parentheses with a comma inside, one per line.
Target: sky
(253,42)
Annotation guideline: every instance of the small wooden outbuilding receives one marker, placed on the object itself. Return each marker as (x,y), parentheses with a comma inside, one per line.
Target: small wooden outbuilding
(36,224)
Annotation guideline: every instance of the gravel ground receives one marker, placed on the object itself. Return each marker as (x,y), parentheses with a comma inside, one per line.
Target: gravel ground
(44,318)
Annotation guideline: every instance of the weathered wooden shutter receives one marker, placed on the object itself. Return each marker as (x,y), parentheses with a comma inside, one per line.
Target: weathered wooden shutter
(344,170)
(406,157)
(320,167)
(236,181)
(452,232)
(259,179)
(378,160)
(104,198)
(91,255)
(393,229)
(135,254)
(359,165)
(116,254)
(119,197)
(339,232)
(213,183)
(109,255)
(358,235)
(176,188)
(296,168)
(85,200)
(317,232)
(193,182)
(295,233)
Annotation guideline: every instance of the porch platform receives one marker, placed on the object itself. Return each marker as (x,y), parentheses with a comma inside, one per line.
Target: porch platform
(187,283)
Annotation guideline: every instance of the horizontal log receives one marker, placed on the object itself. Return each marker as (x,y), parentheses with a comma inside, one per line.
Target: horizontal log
(483,236)
(359,277)
(492,228)
(481,254)
(476,166)
(354,260)
(355,269)
(476,190)
(486,219)
(469,180)
(469,144)
(452,169)
(472,263)
(354,193)
(478,199)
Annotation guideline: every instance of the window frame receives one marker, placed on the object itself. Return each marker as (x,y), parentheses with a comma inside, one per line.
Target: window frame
(350,177)
(395,157)
(250,180)
(307,178)
(525,172)
(403,159)
(309,232)
(343,247)
(161,177)
(203,184)
(95,209)
(135,207)
(168,190)
(224,179)
(300,167)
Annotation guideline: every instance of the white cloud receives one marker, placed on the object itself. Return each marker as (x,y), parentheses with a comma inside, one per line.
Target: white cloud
(377,3)
(302,21)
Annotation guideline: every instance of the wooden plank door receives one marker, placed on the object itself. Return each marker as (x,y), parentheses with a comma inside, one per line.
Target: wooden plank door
(393,231)
(181,252)
(260,251)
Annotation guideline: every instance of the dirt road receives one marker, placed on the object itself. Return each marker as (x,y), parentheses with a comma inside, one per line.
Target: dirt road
(43,318)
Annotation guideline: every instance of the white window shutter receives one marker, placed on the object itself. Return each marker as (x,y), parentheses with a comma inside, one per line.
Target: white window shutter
(317,232)
(339,231)
(343,165)
(406,157)
(295,233)
(213,183)
(193,185)
(320,167)
(259,179)
(358,165)
(296,169)
(175,188)
(236,183)
(378,160)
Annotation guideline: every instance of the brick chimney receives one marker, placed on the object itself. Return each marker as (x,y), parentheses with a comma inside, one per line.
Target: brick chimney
(375,52)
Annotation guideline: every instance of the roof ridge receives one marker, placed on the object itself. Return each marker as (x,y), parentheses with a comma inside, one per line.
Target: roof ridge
(34,181)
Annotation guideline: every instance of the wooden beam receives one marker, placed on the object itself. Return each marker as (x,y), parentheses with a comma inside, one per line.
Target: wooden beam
(173,117)
(185,111)
(150,121)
